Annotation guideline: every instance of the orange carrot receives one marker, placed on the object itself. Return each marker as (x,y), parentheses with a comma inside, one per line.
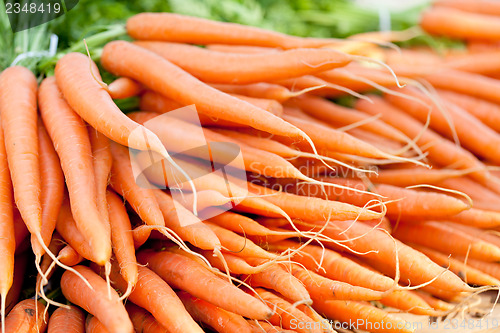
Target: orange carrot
(123,87)
(52,180)
(26,317)
(70,320)
(278,278)
(188,90)
(334,266)
(7,230)
(487,112)
(221,320)
(121,238)
(445,238)
(69,256)
(323,288)
(189,227)
(362,316)
(102,168)
(143,321)
(155,295)
(467,273)
(455,23)
(413,176)
(19,124)
(193,30)
(110,312)
(478,218)
(434,302)
(180,271)
(81,88)
(219,67)
(76,161)
(123,182)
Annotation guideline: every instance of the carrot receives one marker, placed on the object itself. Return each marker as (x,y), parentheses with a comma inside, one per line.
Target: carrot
(286,315)
(434,302)
(467,273)
(153,101)
(20,233)
(342,116)
(123,87)
(155,295)
(487,7)
(67,227)
(102,168)
(219,67)
(258,90)
(413,265)
(466,126)
(408,301)
(362,316)
(455,23)
(93,325)
(221,320)
(441,151)
(490,268)
(242,224)
(143,321)
(278,278)
(446,239)
(121,238)
(410,202)
(19,124)
(487,112)
(189,227)
(70,320)
(188,90)
(7,230)
(332,265)
(180,271)
(193,30)
(26,317)
(477,85)
(485,63)
(76,161)
(52,183)
(123,182)
(413,176)
(83,92)
(310,208)
(323,288)
(110,312)
(69,256)
(206,201)
(478,218)
(239,245)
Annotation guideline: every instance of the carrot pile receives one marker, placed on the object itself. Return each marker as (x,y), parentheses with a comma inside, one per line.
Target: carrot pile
(340,214)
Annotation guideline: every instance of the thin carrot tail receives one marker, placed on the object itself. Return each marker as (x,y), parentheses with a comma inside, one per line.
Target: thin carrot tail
(107,272)
(127,292)
(58,263)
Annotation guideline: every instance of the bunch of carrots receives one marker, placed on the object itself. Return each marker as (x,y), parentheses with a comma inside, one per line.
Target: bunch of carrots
(346,214)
